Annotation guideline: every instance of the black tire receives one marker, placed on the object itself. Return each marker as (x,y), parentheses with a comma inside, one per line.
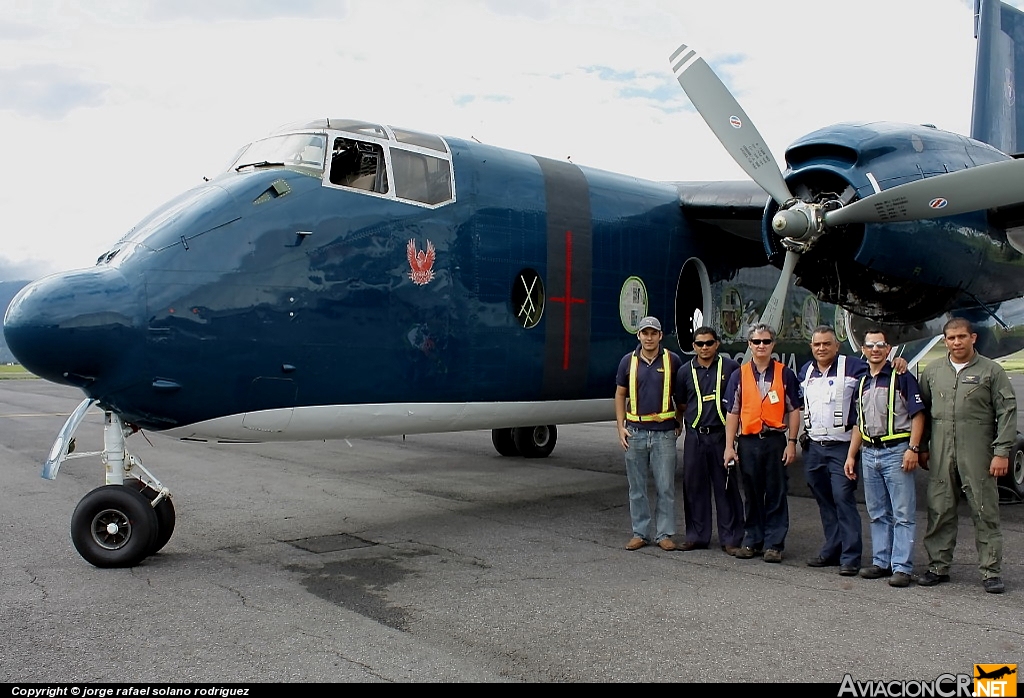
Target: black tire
(165,516)
(114,526)
(504,442)
(1013,481)
(535,442)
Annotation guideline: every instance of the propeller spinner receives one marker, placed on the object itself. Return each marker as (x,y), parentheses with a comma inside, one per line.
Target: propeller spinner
(801,223)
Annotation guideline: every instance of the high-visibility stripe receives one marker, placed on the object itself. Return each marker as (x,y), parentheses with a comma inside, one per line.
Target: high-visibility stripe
(700,398)
(666,394)
(891,433)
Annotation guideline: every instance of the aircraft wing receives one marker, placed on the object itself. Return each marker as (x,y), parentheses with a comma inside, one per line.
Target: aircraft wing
(733,206)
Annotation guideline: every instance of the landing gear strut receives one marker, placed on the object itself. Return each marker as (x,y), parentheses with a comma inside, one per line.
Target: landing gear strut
(130,517)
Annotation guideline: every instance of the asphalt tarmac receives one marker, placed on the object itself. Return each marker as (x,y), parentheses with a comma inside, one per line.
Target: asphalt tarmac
(433,559)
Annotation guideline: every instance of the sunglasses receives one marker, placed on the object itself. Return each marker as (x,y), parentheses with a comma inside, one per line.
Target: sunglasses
(875,345)
(707,343)
(755,342)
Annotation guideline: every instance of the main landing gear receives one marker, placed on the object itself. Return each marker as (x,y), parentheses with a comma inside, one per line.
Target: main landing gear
(529,442)
(130,517)
(1011,486)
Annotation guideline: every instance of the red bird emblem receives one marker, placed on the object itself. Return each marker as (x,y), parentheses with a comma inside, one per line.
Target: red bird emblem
(420,263)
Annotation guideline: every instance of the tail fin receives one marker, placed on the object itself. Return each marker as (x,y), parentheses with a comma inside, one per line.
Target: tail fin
(998,118)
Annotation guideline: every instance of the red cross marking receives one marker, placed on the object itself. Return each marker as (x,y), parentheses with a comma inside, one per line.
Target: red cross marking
(567,298)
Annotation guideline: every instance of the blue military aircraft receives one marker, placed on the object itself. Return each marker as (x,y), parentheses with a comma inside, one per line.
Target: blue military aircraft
(343,279)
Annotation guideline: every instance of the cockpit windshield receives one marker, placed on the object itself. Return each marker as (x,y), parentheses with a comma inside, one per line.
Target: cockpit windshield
(302,149)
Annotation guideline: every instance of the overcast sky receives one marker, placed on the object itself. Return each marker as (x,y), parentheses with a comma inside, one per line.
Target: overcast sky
(111,107)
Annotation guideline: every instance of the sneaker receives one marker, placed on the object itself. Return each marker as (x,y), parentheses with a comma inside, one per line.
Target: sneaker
(900,579)
(994,585)
(772,555)
(875,572)
(746,553)
(930,579)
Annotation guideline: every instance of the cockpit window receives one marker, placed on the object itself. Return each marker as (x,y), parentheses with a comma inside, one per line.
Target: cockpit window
(364,127)
(303,149)
(359,165)
(424,140)
(421,177)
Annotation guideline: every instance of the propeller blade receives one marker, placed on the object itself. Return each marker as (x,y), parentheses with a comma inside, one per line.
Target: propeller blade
(728,121)
(974,189)
(772,315)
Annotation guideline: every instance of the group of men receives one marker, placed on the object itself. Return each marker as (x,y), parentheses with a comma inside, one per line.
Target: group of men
(862,420)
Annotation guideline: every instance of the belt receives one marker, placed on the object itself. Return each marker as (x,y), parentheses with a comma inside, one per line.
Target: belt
(831,443)
(709,430)
(876,442)
(764,434)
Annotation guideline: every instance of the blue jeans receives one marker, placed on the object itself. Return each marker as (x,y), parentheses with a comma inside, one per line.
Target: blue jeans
(891,501)
(654,451)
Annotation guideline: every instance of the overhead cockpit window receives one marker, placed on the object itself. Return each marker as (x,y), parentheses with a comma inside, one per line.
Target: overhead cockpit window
(424,140)
(294,149)
(364,127)
(358,165)
(421,177)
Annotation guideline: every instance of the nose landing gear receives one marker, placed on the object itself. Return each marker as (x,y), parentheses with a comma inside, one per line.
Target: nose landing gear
(130,517)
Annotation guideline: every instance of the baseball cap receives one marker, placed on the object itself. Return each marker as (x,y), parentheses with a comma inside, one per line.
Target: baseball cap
(649,321)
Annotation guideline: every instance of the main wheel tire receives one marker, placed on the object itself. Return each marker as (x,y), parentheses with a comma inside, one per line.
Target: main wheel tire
(535,442)
(1014,479)
(165,516)
(504,442)
(114,526)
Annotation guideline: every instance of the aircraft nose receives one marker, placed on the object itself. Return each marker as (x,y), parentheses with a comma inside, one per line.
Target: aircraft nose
(75,327)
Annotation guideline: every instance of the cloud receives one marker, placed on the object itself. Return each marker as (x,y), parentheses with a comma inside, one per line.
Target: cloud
(18,31)
(24,269)
(214,10)
(47,91)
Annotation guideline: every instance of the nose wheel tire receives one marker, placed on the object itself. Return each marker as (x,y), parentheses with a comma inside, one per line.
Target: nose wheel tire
(535,442)
(165,516)
(114,526)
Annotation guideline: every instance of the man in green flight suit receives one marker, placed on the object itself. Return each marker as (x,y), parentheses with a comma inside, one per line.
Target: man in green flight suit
(973,424)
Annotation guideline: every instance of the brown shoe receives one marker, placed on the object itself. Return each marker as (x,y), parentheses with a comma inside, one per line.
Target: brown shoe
(635,543)
(730,550)
(667,544)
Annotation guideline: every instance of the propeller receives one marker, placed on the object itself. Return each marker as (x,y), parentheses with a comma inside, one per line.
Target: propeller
(801,223)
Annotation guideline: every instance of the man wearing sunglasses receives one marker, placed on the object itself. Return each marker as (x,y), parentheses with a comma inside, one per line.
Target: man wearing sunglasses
(973,411)
(648,425)
(890,427)
(700,390)
(764,410)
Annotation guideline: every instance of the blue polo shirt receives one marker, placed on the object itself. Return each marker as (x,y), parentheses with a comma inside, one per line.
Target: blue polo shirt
(650,381)
(906,385)
(686,394)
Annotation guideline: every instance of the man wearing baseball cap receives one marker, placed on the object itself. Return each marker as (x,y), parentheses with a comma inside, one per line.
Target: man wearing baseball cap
(648,426)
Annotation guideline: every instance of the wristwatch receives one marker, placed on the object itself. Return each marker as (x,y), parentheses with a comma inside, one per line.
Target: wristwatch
(792,441)
(915,449)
